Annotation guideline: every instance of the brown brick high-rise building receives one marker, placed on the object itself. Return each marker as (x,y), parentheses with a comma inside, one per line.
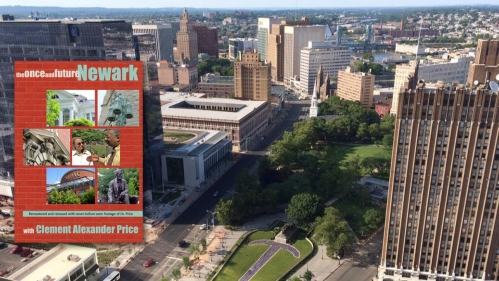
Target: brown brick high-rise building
(252,78)
(441,221)
(487,60)
(275,47)
(187,42)
(207,40)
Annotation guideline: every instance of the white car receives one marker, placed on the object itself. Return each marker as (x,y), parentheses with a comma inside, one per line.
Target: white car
(203,227)
(215,194)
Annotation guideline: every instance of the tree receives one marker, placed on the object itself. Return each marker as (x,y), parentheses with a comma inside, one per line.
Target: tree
(63,197)
(187,262)
(304,208)
(364,195)
(375,68)
(227,213)
(308,275)
(90,135)
(88,197)
(84,122)
(194,250)
(53,108)
(331,230)
(203,244)
(176,274)
(368,56)
(295,278)
(373,218)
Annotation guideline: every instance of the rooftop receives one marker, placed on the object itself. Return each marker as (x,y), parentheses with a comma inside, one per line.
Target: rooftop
(200,144)
(187,106)
(54,263)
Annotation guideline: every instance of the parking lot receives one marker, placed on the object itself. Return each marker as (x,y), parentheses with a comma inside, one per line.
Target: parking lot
(12,262)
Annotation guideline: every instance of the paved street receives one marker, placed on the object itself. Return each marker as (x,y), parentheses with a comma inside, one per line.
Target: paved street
(164,249)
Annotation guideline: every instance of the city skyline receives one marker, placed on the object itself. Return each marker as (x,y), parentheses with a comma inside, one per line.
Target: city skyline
(258,4)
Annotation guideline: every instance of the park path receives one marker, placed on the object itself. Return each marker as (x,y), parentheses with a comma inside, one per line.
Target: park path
(274,247)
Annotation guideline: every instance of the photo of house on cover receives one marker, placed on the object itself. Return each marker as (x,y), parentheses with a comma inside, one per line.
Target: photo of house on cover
(46,147)
(71,108)
(118,108)
(96,147)
(118,186)
(70,186)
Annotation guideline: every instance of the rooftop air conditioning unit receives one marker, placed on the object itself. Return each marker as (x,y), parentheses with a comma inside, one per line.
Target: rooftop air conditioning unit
(73,258)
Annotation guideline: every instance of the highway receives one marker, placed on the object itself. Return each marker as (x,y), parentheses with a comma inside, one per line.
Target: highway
(164,250)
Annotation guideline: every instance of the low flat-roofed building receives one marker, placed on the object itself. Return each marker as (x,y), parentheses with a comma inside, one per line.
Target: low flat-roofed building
(216,86)
(243,120)
(64,262)
(196,161)
(377,187)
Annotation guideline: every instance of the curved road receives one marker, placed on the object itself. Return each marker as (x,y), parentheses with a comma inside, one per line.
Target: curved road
(167,241)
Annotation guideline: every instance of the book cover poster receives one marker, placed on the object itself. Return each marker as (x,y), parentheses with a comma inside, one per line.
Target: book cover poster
(78,151)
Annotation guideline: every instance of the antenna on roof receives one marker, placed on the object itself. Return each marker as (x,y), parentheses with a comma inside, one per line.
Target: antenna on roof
(419,38)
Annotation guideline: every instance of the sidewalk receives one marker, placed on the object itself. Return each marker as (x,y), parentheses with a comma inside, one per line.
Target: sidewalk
(220,242)
(320,265)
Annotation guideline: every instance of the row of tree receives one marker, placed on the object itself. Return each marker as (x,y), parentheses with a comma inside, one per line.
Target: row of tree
(353,121)
(223,66)
(69,197)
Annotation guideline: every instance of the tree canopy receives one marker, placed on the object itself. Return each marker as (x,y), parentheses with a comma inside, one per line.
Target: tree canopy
(223,66)
(332,231)
(304,209)
(82,122)
(53,108)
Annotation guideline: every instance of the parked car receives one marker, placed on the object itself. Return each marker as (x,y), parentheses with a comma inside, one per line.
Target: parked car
(181,243)
(148,262)
(203,227)
(25,252)
(2,245)
(215,194)
(16,249)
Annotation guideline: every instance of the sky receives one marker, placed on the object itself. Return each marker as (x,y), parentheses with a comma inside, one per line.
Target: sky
(54,175)
(281,4)
(89,94)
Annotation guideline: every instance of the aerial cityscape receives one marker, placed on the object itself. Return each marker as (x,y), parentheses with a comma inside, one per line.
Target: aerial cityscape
(280,142)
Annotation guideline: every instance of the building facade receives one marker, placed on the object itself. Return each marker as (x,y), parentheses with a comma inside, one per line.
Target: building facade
(440,217)
(409,49)
(252,79)
(207,40)
(179,77)
(356,86)
(453,70)
(46,147)
(76,40)
(73,107)
(275,47)
(295,39)
(332,58)
(155,40)
(187,42)
(197,161)
(244,121)
(486,62)
(76,180)
(215,86)
(241,45)
(264,29)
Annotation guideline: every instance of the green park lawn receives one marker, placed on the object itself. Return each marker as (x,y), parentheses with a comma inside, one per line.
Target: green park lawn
(283,260)
(345,152)
(353,211)
(245,256)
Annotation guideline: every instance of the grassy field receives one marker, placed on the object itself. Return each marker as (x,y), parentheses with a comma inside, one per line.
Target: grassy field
(344,152)
(354,211)
(245,256)
(107,257)
(178,137)
(283,260)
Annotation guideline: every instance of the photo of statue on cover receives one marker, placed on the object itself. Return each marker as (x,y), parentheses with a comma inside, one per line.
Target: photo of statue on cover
(118,186)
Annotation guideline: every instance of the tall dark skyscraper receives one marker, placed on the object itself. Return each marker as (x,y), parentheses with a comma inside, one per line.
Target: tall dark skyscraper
(85,40)
(441,221)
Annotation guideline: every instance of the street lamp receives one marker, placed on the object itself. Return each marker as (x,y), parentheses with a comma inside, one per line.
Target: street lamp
(213,217)
(232,192)
(119,111)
